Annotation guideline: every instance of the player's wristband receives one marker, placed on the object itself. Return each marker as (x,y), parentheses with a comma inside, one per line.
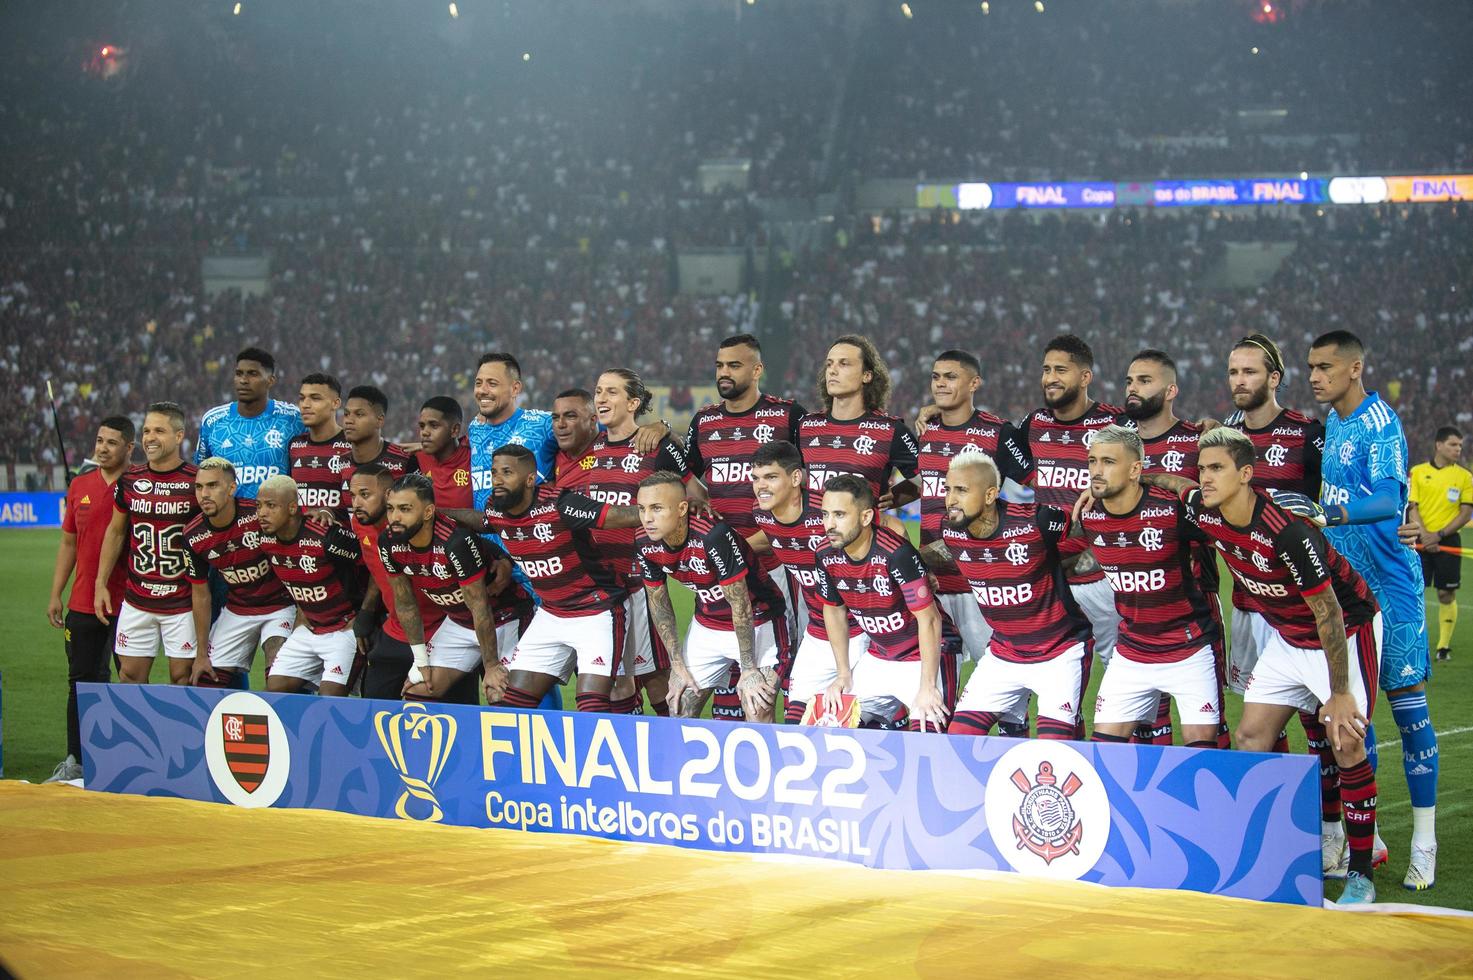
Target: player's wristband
(421,654)
(414,676)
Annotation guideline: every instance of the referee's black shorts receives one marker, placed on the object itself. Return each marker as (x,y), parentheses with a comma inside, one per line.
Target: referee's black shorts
(1442,570)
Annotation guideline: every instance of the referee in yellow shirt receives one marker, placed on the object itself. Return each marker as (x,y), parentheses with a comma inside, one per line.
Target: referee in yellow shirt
(1442,493)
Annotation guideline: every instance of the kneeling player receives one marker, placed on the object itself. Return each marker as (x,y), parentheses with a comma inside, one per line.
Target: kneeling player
(1169,636)
(1323,654)
(739,612)
(875,575)
(1010,557)
(435,566)
(258,611)
(315,562)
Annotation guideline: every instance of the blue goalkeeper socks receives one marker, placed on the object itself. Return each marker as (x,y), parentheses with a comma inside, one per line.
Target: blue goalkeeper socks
(552,700)
(1418,745)
(1371,755)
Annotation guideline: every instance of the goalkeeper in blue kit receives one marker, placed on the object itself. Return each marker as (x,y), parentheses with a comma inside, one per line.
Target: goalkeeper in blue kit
(1363,498)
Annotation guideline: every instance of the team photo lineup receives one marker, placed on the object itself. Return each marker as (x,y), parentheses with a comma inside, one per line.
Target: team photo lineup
(517,547)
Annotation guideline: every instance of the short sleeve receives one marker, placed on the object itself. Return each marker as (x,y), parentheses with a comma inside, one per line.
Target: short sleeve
(120,495)
(671,458)
(385,559)
(580,512)
(1026,461)
(1465,494)
(1314,454)
(466,557)
(828,594)
(908,572)
(1053,524)
(693,446)
(1304,550)
(1013,461)
(69,519)
(196,569)
(1388,456)
(904,450)
(340,544)
(650,570)
(724,551)
(795,412)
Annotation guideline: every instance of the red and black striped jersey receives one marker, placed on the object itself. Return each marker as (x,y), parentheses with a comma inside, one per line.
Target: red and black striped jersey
(871,447)
(614,479)
(1059,452)
(570,473)
(368,536)
(397,461)
(796,547)
(159,506)
(712,557)
(939,443)
(319,468)
(1277,560)
(719,445)
(235,552)
(452,478)
(882,592)
(1147,555)
(1288,452)
(440,572)
(1173,452)
(317,567)
(1016,577)
(552,543)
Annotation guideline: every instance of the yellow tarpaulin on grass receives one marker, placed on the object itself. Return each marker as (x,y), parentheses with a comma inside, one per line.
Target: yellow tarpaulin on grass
(93,884)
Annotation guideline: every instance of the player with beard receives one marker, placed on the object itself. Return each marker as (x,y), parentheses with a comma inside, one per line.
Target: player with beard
(153,503)
(320,456)
(1170,446)
(226,537)
(739,613)
(436,567)
(719,445)
(315,561)
(1011,557)
(874,575)
(619,399)
(1323,653)
(444,454)
(1169,629)
(791,529)
(1289,447)
(363,425)
(253,431)
(1058,437)
(89,509)
(384,645)
(580,622)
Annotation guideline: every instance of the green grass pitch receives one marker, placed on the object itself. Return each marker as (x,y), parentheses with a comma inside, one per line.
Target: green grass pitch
(34,690)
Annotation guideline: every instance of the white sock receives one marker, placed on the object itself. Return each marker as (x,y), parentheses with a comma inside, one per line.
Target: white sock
(1424,826)
(1332,828)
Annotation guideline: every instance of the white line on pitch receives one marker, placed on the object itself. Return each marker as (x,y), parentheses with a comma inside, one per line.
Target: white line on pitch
(1441,734)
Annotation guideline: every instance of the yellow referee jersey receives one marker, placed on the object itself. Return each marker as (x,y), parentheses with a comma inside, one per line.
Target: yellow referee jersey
(1438,492)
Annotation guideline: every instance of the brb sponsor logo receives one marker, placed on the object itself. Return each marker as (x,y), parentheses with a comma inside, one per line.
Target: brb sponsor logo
(418,745)
(246,750)
(1047,810)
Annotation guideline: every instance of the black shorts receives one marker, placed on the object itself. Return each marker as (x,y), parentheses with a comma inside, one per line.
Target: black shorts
(1442,570)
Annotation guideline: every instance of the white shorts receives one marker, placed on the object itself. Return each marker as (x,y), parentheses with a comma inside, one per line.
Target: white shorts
(640,637)
(140,632)
(554,645)
(1131,690)
(710,653)
(317,657)
(507,635)
(454,646)
(970,623)
(876,679)
(1300,679)
(234,637)
(813,665)
(1004,687)
(797,614)
(1097,601)
(1249,633)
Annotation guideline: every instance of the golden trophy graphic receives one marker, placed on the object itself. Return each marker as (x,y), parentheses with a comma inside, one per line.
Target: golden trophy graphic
(416,722)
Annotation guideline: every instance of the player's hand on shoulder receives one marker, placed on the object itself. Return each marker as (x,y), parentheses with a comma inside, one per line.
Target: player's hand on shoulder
(499,578)
(926,416)
(1300,505)
(1207,425)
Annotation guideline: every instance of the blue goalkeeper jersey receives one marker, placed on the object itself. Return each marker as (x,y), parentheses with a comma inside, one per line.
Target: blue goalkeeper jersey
(525,427)
(256,446)
(1366,448)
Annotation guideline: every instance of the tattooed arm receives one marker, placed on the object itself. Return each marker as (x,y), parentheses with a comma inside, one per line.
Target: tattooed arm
(757,690)
(936,555)
(1340,712)
(685,697)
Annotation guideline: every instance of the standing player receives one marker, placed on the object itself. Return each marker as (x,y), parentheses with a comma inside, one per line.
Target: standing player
(853,435)
(444,453)
(253,431)
(499,422)
(1443,494)
(89,510)
(956,425)
(574,427)
(580,622)
(1364,493)
(874,575)
(791,529)
(619,398)
(437,570)
(1323,649)
(719,446)
(1169,628)
(153,504)
(1010,556)
(363,425)
(739,616)
(321,455)
(258,611)
(385,646)
(315,562)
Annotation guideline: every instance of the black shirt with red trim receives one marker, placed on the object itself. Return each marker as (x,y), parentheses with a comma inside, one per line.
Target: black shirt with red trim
(441,571)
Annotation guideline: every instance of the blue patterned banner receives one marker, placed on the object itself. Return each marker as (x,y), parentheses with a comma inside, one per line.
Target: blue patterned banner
(1231,823)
